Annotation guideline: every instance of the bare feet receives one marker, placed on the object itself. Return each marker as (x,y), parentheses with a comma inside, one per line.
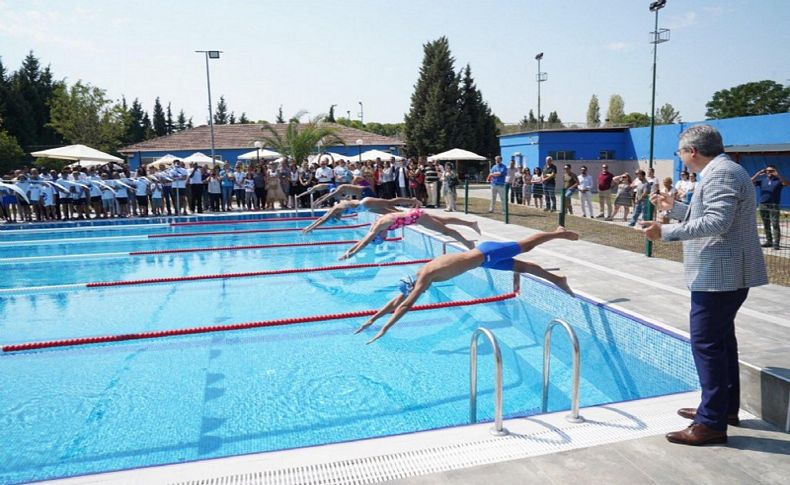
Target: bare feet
(364,326)
(562,283)
(566,234)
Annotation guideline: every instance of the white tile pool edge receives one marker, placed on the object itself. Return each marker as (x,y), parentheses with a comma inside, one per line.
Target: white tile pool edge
(389,458)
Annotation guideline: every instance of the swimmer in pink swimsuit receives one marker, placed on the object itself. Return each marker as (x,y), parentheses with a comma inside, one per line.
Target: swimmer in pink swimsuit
(397,220)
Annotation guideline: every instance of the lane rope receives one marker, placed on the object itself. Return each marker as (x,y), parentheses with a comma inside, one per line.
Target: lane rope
(250,221)
(255,246)
(103,284)
(239,326)
(252,231)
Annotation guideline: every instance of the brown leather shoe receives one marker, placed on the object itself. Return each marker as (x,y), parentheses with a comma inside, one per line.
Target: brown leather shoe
(697,435)
(691,413)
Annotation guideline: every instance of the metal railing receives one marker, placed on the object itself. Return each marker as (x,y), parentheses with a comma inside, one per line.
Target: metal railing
(498,429)
(574,416)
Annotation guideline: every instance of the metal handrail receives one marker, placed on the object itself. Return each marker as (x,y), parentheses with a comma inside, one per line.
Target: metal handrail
(498,429)
(574,416)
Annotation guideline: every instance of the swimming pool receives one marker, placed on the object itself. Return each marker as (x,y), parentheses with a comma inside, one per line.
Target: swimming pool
(80,410)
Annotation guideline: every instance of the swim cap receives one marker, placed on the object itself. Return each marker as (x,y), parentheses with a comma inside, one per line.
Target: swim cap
(406,285)
(380,237)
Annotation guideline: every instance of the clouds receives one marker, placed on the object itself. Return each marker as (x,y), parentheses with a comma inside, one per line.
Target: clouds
(684,21)
(46,27)
(618,46)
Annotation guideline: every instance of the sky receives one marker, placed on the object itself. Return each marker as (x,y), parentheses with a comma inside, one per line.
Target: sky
(308,55)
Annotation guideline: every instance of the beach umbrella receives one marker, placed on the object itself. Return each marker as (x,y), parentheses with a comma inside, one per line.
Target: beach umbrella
(199,158)
(78,153)
(264,155)
(372,155)
(456,154)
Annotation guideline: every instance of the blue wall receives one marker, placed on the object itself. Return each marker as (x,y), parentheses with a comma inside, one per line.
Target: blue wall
(587,145)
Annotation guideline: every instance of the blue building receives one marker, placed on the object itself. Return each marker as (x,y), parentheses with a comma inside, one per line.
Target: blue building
(231,141)
(752,141)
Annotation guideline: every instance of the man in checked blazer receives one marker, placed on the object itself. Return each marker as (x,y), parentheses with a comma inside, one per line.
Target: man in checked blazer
(722,260)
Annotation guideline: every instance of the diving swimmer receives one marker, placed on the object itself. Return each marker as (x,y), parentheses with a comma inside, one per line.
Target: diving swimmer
(489,254)
(369,204)
(396,220)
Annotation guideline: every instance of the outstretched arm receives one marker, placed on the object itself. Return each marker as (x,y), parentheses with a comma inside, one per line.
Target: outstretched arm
(407,201)
(362,243)
(419,288)
(322,220)
(391,305)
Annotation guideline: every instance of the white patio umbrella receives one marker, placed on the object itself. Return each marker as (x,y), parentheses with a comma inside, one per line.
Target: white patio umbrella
(167,161)
(78,153)
(199,158)
(372,155)
(264,155)
(456,154)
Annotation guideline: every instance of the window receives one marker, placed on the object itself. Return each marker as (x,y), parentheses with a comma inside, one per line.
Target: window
(606,155)
(563,155)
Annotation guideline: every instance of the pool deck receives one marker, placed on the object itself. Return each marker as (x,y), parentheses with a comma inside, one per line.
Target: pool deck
(620,443)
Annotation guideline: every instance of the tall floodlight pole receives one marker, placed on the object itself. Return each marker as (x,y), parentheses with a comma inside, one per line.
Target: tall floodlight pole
(361,113)
(210,55)
(657,37)
(541,77)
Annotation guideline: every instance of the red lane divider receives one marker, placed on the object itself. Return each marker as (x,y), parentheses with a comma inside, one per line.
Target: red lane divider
(250,274)
(251,231)
(239,326)
(249,221)
(255,246)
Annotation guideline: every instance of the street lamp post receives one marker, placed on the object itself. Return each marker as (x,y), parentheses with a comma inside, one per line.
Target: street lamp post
(361,114)
(541,77)
(210,55)
(658,36)
(359,149)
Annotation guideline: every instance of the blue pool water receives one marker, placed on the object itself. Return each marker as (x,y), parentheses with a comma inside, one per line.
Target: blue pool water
(71,411)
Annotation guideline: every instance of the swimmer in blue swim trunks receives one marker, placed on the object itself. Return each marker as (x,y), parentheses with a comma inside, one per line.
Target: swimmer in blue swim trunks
(369,204)
(489,254)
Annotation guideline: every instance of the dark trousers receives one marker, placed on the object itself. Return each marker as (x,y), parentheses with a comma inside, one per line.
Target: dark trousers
(550,196)
(197,197)
(769,213)
(715,351)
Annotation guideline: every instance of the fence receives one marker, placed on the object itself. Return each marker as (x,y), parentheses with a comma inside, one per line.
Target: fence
(617,233)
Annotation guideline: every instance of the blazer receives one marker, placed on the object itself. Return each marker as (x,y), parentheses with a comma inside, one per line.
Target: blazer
(721,249)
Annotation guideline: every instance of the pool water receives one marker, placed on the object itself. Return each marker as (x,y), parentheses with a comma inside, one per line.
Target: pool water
(88,409)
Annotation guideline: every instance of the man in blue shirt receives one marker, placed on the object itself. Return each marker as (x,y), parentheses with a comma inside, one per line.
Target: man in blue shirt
(769,185)
(497,178)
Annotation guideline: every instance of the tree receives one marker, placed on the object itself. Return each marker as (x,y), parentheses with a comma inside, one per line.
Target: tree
(11,154)
(554,119)
(232,118)
(300,139)
(135,129)
(148,130)
(243,119)
(171,127)
(190,125)
(181,121)
(280,118)
(431,126)
(83,114)
(331,116)
(593,112)
(667,115)
(477,129)
(160,123)
(755,98)
(221,114)
(636,119)
(616,111)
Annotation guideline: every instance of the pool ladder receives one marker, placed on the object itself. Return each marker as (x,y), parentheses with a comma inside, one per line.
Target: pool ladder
(499,429)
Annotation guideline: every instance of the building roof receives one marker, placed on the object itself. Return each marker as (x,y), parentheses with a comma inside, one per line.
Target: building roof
(762,148)
(244,136)
(611,129)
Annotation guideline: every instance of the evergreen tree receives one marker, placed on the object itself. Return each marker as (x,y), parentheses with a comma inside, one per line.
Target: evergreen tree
(593,113)
(135,130)
(280,118)
(148,129)
(477,129)
(232,118)
(170,126)
(160,123)
(431,126)
(243,119)
(331,116)
(4,88)
(616,111)
(221,114)
(190,125)
(181,121)
(554,120)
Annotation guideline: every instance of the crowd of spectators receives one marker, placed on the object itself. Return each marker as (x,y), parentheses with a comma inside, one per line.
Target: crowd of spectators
(157,190)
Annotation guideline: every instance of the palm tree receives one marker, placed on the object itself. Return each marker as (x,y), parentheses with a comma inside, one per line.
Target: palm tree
(300,139)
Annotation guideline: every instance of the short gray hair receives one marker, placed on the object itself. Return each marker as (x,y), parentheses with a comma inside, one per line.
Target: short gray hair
(705,138)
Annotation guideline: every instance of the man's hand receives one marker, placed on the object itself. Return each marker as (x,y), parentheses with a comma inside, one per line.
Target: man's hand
(663,201)
(651,230)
